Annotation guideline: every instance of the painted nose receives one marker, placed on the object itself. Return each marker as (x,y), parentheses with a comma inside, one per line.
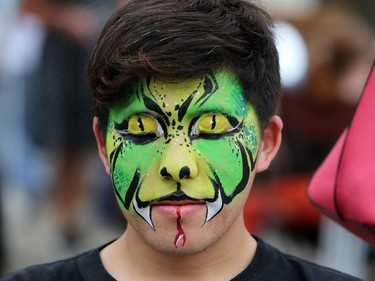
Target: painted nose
(183,173)
(178,164)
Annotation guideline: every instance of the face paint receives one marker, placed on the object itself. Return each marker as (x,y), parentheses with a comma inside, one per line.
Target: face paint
(180,236)
(182,141)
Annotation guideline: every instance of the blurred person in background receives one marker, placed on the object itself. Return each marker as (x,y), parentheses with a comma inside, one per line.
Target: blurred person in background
(19,45)
(339,51)
(58,106)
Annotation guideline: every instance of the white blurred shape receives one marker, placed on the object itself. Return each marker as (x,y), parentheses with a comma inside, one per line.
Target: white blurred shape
(21,45)
(293,54)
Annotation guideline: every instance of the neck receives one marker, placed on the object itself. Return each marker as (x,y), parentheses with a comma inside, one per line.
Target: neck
(130,258)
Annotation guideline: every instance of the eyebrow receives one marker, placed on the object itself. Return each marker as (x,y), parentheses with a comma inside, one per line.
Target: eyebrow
(210,87)
(214,109)
(153,106)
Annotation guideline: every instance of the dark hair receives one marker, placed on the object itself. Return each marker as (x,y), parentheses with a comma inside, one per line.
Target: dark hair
(186,39)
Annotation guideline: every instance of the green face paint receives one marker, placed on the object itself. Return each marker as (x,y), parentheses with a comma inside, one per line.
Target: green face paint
(204,125)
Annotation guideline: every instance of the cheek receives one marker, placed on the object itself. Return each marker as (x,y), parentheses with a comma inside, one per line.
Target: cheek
(225,159)
(129,164)
(250,137)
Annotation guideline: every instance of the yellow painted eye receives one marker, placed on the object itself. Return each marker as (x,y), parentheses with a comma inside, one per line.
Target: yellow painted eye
(142,125)
(213,124)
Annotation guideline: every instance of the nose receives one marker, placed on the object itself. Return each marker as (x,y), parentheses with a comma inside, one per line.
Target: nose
(177,164)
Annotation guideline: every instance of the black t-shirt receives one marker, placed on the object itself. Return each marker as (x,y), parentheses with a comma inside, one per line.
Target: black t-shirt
(268,264)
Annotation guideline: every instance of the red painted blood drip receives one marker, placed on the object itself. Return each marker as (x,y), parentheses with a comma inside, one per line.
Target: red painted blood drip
(180,231)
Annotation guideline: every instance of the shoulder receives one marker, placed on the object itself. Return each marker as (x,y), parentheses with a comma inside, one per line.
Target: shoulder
(59,270)
(63,270)
(308,270)
(271,264)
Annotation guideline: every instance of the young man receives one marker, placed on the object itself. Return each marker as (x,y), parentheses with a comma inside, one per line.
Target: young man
(186,92)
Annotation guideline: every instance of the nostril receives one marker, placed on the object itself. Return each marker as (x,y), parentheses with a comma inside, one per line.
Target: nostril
(184,172)
(164,173)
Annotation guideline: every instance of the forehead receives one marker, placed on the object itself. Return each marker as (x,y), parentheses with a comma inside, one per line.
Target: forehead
(174,90)
(216,91)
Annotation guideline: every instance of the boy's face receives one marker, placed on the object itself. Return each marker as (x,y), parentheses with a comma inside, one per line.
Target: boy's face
(182,156)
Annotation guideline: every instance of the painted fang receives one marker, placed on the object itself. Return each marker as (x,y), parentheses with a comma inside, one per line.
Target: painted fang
(182,141)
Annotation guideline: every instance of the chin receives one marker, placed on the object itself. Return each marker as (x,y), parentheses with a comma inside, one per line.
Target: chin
(198,238)
(192,247)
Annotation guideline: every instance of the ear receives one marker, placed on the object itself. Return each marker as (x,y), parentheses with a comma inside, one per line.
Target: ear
(100,143)
(270,143)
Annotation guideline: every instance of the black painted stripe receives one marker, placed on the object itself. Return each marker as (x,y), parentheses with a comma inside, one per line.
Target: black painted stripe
(132,188)
(209,90)
(153,106)
(184,107)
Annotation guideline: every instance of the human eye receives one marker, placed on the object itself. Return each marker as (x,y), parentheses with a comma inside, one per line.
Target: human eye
(214,126)
(140,128)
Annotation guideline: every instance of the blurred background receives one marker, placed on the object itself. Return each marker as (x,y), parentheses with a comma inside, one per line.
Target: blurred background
(55,198)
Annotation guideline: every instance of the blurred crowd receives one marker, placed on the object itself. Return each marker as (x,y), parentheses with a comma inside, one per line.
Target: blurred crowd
(47,150)
(46,141)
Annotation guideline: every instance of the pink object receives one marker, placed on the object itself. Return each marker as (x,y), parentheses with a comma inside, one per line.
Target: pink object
(343,187)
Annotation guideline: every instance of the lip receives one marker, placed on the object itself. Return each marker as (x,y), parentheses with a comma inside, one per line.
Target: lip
(185,208)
